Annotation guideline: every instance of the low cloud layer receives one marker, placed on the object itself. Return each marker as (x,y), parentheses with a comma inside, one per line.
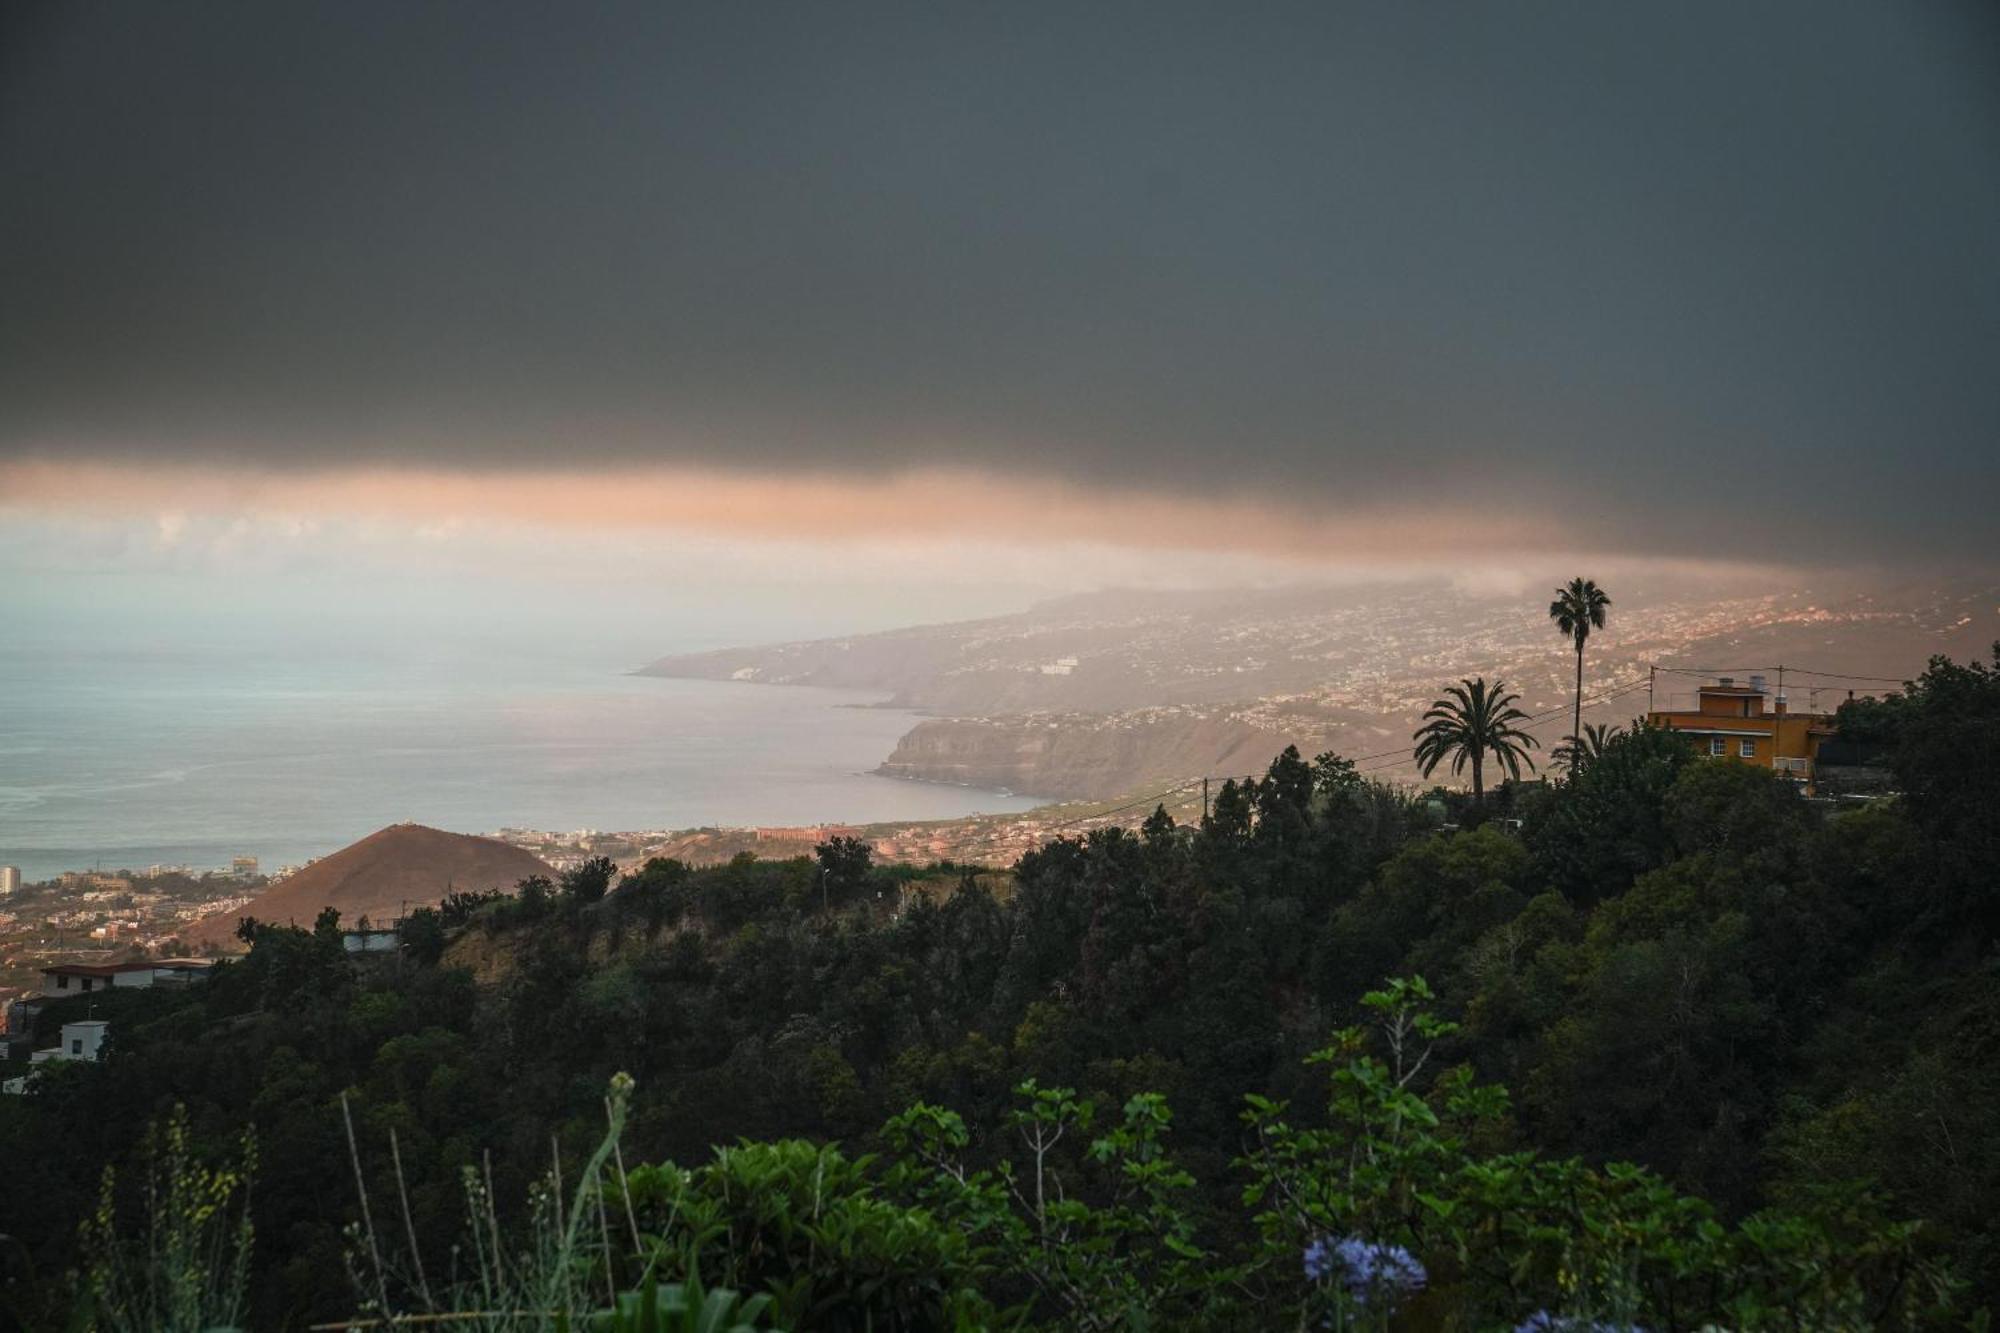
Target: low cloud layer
(1713,280)
(921,507)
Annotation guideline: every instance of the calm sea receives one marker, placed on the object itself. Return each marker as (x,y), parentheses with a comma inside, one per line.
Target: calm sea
(125,756)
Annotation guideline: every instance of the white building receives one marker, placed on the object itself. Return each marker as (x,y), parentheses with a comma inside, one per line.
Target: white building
(81,1040)
(10,879)
(378,939)
(66,979)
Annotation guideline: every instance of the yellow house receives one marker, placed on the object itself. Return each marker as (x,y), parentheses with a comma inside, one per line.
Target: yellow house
(1745,722)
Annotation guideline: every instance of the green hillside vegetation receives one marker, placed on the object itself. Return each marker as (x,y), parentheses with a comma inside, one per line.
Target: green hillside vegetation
(1682,1050)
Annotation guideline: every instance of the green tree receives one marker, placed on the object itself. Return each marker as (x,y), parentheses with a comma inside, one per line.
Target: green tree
(326,926)
(1940,736)
(843,867)
(1606,825)
(1579,749)
(531,898)
(1579,608)
(422,934)
(588,882)
(1334,776)
(1472,721)
(1428,905)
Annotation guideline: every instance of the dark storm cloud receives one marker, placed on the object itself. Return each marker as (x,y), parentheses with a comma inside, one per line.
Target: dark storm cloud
(1728,273)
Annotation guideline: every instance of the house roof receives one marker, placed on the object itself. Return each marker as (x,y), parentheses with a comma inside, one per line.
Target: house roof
(96,969)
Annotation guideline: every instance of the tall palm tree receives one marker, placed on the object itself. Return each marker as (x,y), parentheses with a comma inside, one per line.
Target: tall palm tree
(1472,721)
(1579,608)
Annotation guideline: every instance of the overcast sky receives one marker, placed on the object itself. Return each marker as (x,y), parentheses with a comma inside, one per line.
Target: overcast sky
(1689,279)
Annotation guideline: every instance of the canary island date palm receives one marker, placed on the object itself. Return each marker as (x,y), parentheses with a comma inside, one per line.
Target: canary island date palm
(1578,609)
(1472,721)
(1586,747)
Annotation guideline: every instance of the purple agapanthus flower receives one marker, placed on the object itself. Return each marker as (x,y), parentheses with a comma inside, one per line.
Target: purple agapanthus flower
(1366,1270)
(1319,1259)
(1541,1321)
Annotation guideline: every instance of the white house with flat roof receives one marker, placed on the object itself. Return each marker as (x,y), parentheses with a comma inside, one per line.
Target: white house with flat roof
(81,1040)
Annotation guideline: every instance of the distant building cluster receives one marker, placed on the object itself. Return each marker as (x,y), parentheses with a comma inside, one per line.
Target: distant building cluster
(62,981)
(83,1039)
(98,919)
(91,881)
(816,833)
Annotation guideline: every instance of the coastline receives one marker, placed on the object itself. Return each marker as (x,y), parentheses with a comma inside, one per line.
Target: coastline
(190,776)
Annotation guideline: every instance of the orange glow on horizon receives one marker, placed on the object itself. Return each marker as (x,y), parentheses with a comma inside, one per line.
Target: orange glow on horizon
(916,506)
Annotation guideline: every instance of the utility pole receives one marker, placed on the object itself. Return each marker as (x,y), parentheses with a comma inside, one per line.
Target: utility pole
(1777,727)
(1204,800)
(1652,678)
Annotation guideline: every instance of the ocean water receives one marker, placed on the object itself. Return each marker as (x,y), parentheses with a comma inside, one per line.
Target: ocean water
(124,755)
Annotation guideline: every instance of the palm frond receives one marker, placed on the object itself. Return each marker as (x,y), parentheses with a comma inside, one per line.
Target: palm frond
(1472,720)
(1578,608)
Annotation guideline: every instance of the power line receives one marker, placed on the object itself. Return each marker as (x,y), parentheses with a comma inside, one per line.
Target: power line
(986,837)
(1397,755)
(1616,692)
(1154,799)
(1390,758)
(989,836)
(1835,675)
(1788,670)
(1394,756)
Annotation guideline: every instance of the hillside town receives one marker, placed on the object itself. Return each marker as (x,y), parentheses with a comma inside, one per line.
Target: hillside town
(99,917)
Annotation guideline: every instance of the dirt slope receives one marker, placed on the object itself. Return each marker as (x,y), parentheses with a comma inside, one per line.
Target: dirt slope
(401,867)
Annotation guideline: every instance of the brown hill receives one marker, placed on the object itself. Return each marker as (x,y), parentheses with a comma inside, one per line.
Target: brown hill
(401,867)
